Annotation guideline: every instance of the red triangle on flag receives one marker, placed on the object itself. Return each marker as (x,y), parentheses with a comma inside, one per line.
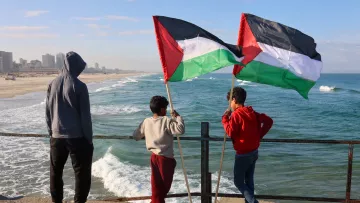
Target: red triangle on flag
(248,42)
(171,54)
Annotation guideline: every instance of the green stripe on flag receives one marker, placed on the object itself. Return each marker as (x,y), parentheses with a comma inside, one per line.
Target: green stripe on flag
(203,64)
(259,72)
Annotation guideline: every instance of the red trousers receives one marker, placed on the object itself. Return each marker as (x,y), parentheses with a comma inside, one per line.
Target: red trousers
(162,172)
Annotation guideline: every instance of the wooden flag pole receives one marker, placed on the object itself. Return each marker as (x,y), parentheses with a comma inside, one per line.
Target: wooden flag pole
(178,140)
(224,143)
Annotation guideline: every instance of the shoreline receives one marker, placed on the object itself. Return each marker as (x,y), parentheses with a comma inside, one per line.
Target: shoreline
(29,83)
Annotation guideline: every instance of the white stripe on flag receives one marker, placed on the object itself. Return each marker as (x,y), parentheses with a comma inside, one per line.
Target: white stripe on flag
(200,46)
(299,64)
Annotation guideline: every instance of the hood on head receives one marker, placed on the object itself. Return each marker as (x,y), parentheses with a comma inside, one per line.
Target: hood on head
(74,64)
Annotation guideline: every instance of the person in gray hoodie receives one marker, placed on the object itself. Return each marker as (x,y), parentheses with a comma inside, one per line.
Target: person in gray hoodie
(69,124)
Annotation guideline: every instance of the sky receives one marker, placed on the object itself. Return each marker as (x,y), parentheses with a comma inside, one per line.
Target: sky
(120,33)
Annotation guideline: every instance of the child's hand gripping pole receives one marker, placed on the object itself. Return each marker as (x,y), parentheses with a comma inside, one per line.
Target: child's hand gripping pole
(223,148)
(180,149)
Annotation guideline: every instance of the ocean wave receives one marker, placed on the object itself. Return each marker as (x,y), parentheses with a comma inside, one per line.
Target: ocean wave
(101,89)
(120,83)
(24,166)
(128,80)
(243,81)
(336,89)
(43,102)
(125,179)
(117,85)
(114,109)
(31,118)
(327,88)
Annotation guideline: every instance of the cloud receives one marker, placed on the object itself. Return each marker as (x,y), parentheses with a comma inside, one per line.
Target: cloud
(125,18)
(80,35)
(339,57)
(23,28)
(87,18)
(97,26)
(35,13)
(28,36)
(136,32)
(102,34)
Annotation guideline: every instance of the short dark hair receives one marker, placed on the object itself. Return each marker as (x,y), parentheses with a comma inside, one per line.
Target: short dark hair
(157,103)
(239,94)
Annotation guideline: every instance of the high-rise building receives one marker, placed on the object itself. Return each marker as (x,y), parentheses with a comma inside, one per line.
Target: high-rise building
(60,57)
(48,61)
(35,64)
(1,65)
(97,66)
(23,63)
(6,62)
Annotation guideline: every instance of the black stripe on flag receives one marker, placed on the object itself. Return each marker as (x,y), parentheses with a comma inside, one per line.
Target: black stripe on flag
(182,30)
(282,36)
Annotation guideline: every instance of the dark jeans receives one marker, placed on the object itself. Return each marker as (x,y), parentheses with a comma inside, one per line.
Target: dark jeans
(81,153)
(244,169)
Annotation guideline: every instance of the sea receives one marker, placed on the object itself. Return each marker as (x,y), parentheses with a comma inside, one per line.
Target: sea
(121,167)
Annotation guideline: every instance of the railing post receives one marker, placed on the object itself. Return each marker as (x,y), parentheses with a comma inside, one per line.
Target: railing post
(349,173)
(205,181)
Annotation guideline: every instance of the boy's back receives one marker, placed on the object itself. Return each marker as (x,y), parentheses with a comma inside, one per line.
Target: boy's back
(246,128)
(159,134)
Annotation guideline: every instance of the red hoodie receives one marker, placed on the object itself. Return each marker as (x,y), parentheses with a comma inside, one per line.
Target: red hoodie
(246,128)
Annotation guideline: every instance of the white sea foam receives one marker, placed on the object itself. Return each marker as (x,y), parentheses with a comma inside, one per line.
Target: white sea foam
(327,88)
(117,85)
(212,78)
(29,118)
(120,83)
(129,80)
(243,81)
(125,179)
(114,109)
(43,102)
(101,89)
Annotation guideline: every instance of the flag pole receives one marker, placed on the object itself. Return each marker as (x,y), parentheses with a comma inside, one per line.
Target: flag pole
(178,140)
(224,143)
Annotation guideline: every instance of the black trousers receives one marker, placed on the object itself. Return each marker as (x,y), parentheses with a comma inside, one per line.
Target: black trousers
(81,153)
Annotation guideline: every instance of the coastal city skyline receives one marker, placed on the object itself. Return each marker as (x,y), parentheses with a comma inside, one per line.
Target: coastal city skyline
(48,61)
(120,33)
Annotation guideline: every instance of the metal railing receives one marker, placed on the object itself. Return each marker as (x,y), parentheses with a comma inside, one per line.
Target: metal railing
(206,194)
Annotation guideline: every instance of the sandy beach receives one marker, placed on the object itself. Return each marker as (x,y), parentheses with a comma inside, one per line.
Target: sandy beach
(27,83)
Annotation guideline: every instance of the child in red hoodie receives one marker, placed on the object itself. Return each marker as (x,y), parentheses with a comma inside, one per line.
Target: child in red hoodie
(246,128)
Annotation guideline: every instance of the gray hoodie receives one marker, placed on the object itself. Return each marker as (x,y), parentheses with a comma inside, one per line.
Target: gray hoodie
(67,102)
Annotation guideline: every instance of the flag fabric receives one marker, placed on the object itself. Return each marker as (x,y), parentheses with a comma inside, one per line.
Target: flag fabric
(277,55)
(187,51)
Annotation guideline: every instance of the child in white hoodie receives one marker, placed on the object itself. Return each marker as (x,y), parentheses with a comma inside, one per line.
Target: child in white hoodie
(159,131)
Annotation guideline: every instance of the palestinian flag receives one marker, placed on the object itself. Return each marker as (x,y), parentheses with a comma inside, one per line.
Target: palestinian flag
(277,55)
(187,51)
